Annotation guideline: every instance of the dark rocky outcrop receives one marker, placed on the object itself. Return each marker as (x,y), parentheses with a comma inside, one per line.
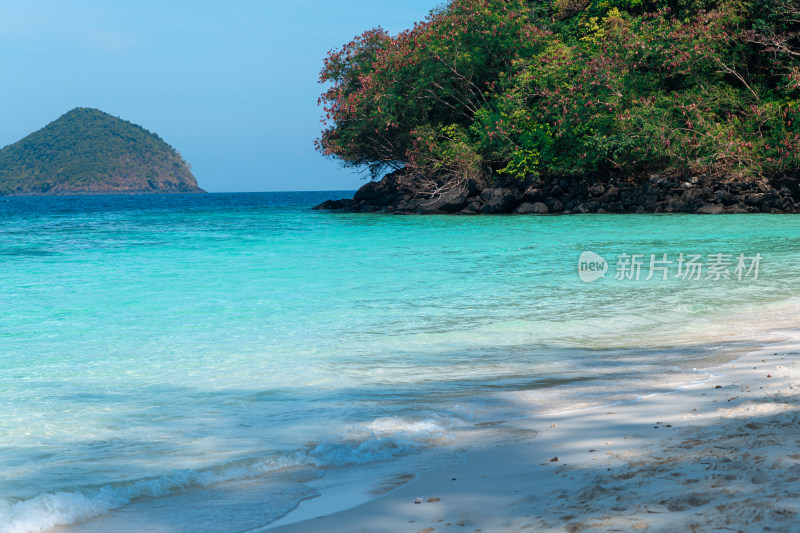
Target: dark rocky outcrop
(500,200)
(656,193)
(536,208)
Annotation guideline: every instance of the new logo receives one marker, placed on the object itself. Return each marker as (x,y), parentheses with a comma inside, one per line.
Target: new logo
(591,267)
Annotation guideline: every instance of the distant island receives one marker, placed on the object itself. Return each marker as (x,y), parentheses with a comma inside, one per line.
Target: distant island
(87,151)
(555,106)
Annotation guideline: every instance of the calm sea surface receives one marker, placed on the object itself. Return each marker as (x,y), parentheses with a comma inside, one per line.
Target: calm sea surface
(156,350)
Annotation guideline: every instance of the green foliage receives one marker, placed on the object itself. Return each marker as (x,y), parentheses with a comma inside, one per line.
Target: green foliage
(86,150)
(524,163)
(573,87)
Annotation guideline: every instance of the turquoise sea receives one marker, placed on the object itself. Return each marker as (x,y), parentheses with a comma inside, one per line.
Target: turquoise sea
(213,360)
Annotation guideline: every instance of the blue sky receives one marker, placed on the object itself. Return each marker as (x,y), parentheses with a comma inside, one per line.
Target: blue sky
(231,84)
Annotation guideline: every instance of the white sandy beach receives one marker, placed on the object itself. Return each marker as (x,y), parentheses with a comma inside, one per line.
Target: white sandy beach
(723,455)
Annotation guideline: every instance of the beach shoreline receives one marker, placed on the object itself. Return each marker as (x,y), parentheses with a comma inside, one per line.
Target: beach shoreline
(724,452)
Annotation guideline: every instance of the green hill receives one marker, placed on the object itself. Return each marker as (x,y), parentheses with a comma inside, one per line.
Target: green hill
(86,151)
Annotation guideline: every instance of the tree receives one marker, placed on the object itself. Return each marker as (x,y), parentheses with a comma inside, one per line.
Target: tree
(518,90)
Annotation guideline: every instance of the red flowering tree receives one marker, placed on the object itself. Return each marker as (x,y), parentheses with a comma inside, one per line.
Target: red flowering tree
(408,101)
(520,89)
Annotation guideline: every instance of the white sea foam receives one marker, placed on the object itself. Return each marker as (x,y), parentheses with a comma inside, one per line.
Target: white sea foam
(52,509)
(378,440)
(382,439)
